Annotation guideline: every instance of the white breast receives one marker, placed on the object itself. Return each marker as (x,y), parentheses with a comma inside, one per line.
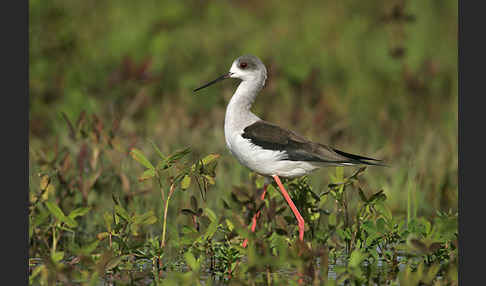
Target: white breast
(266,162)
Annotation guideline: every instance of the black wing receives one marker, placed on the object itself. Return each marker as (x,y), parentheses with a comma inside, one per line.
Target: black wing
(298,148)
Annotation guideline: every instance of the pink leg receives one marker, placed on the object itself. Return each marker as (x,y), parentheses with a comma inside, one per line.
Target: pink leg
(255,217)
(300,219)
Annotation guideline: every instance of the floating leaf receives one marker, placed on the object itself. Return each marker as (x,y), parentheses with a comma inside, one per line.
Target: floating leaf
(139,157)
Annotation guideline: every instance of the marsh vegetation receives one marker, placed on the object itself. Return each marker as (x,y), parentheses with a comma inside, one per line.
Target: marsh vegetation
(130,182)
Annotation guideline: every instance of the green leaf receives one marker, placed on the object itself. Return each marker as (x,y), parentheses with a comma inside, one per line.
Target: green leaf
(230,225)
(373,236)
(209,179)
(157,150)
(70,222)
(44,182)
(186,182)
(210,214)
(186,230)
(179,155)
(41,217)
(431,274)
(369,227)
(147,174)
(37,270)
(114,262)
(332,219)
(191,261)
(150,220)
(139,157)
(57,256)
(79,212)
(356,258)
(87,249)
(209,158)
(260,182)
(213,226)
(58,214)
(162,165)
(146,218)
(380,225)
(122,212)
(55,211)
(341,233)
(378,196)
(384,210)
(108,220)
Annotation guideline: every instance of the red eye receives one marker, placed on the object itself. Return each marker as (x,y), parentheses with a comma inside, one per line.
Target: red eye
(243,65)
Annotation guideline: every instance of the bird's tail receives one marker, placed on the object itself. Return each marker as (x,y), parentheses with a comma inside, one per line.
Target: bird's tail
(360,160)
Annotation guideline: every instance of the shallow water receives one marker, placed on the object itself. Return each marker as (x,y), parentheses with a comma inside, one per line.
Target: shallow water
(207,274)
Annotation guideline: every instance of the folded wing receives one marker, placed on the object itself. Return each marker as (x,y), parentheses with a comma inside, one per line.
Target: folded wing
(272,137)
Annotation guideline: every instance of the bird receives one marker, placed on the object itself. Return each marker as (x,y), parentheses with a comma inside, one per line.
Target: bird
(266,148)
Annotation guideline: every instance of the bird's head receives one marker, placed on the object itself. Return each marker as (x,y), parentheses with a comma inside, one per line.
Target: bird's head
(245,68)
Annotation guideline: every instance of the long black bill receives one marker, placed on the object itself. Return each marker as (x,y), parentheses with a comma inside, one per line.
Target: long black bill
(225,76)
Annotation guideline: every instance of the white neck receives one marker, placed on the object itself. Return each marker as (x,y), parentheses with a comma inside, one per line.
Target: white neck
(238,114)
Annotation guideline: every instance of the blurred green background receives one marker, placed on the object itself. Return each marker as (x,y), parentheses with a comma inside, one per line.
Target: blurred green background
(376,78)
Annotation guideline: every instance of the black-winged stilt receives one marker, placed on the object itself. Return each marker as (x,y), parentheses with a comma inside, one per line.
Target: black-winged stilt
(266,148)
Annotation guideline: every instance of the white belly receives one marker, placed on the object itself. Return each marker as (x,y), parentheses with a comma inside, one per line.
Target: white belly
(266,162)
